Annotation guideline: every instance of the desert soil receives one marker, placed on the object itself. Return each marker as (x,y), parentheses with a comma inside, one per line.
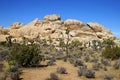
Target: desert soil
(43,73)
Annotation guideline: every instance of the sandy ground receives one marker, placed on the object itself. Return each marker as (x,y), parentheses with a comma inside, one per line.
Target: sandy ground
(43,73)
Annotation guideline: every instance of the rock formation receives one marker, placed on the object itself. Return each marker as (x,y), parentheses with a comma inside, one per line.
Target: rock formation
(52,26)
(16,25)
(53,17)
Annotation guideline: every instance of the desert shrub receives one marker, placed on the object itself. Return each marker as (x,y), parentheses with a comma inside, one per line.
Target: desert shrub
(13,68)
(53,59)
(78,55)
(3,43)
(75,43)
(24,55)
(105,68)
(3,54)
(85,72)
(82,71)
(94,59)
(14,76)
(78,62)
(71,60)
(111,52)
(53,76)
(105,62)
(61,70)
(108,42)
(86,58)
(107,76)
(14,72)
(1,67)
(116,65)
(90,74)
(50,63)
(96,66)
(65,58)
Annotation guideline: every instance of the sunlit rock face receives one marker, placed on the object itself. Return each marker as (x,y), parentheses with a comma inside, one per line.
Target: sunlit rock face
(53,17)
(16,25)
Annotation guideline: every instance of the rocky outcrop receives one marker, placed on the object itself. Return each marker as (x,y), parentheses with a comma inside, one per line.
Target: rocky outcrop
(53,27)
(53,17)
(3,37)
(16,25)
(72,22)
(100,30)
(3,31)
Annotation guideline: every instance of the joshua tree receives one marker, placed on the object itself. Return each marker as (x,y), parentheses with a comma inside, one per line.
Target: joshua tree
(94,44)
(8,40)
(24,40)
(68,38)
(61,41)
(50,42)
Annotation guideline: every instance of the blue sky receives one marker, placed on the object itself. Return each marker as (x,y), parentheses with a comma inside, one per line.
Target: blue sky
(105,12)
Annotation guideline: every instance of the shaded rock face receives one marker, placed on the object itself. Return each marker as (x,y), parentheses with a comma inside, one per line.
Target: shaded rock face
(52,26)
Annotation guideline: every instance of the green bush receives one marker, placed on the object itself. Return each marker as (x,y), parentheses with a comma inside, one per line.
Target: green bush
(111,52)
(108,42)
(24,55)
(3,43)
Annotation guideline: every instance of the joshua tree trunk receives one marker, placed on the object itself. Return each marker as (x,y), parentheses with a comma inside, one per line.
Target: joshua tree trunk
(67,44)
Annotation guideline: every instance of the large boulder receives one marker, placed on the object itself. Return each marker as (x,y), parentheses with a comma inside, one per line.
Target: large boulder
(14,33)
(97,27)
(36,22)
(3,37)
(72,22)
(100,30)
(53,17)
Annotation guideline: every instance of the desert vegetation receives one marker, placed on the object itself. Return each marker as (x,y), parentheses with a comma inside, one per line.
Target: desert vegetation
(67,61)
